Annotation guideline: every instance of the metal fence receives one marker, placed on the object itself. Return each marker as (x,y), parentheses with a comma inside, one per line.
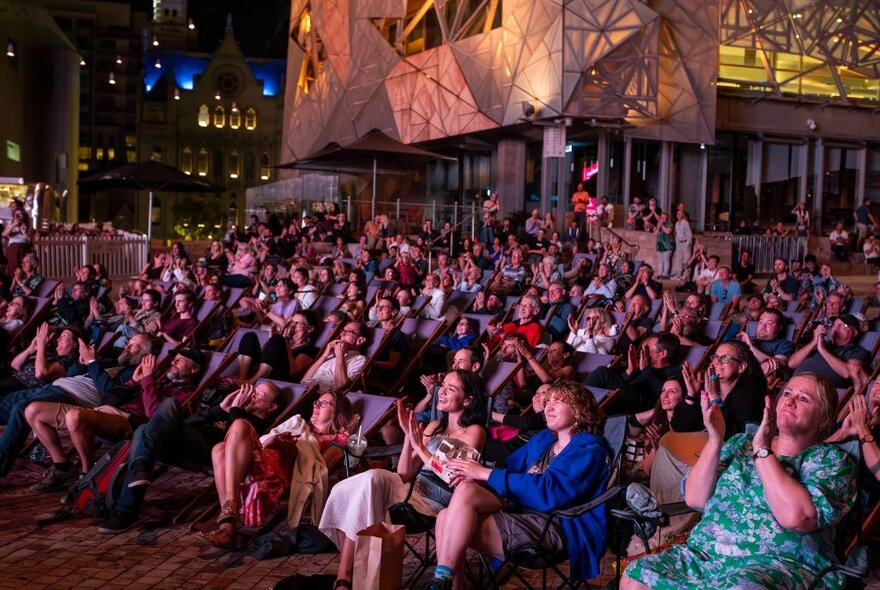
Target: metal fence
(59,255)
(766,249)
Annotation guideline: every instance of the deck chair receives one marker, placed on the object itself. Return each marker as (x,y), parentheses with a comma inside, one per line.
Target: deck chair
(857,304)
(487,278)
(46,288)
(38,309)
(420,334)
(324,333)
(870,341)
(375,411)
(461,300)
(535,557)
(695,355)
(234,339)
(334,289)
(714,329)
(585,363)
(497,374)
(214,369)
(481,321)
(717,310)
(788,334)
(324,304)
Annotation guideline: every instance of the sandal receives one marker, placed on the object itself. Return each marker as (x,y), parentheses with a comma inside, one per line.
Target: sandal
(229,513)
(221,538)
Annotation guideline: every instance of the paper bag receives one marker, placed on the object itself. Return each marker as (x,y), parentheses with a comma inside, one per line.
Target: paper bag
(378,558)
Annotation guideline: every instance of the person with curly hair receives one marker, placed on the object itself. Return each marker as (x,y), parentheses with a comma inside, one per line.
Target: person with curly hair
(564,465)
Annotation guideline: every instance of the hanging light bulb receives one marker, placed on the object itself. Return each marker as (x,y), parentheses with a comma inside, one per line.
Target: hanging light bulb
(10,47)
(119,59)
(82,61)
(158,64)
(112,79)
(176,94)
(191,25)
(155,41)
(217,95)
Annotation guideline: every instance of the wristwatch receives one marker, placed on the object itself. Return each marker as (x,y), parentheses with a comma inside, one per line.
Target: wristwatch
(868,438)
(762,453)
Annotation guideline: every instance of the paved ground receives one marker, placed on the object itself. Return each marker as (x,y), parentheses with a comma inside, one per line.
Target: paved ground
(156,554)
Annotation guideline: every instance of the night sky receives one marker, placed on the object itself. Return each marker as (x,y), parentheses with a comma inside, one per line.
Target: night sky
(260,25)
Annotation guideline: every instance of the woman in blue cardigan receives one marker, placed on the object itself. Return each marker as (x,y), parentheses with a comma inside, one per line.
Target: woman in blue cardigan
(565,465)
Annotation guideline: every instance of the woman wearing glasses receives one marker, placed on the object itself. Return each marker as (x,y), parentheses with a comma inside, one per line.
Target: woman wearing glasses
(252,472)
(734,381)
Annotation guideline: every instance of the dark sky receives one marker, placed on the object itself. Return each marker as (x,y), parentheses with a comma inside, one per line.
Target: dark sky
(260,25)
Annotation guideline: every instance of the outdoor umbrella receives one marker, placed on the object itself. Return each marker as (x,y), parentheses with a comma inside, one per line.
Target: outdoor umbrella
(150,176)
(374,148)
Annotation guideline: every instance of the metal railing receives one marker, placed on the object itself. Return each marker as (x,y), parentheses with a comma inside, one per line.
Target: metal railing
(766,249)
(59,255)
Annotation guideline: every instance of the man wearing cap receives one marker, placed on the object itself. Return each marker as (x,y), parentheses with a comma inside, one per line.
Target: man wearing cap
(841,360)
(122,410)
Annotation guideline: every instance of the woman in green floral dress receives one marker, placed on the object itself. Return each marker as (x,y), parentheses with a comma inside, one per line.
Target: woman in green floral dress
(770,503)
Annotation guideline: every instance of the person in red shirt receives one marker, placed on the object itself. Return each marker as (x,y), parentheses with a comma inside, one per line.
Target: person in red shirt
(525,324)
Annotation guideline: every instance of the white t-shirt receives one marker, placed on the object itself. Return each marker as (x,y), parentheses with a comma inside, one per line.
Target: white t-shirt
(326,373)
(839,235)
(81,388)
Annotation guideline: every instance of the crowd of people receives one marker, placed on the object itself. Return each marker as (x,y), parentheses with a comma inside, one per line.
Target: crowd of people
(691,362)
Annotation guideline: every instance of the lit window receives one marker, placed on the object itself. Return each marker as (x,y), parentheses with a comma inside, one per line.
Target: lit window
(202,162)
(130,141)
(131,156)
(250,119)
(234,164)
(234,117)
(219,117)
(111,154)
(85,152)
(83,166)
(186,160)
(156,155)
(203,115)
(264,166)
(99,153)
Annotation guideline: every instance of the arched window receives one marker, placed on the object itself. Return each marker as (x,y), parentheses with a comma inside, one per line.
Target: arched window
(234,164)
(234,117)
(250,171)
(219,117)
(264,166)
(250,119)
(186,160)
(203,115)
(202,162)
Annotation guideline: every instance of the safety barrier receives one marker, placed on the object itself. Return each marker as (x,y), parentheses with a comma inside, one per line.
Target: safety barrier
(766,249)
(59,255)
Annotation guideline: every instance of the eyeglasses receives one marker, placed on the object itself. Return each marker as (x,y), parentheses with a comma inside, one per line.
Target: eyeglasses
(724,359)
(384,306)
(352,333)
(322,403)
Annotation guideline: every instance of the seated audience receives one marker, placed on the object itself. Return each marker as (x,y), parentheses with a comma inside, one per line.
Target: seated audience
(341,361)
(841,360)
(770,346)
(770,501)
(597,335)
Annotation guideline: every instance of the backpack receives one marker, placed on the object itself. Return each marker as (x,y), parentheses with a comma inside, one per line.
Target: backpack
(95,494)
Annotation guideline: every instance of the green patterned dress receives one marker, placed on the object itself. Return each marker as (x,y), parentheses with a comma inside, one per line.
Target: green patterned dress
(738,543)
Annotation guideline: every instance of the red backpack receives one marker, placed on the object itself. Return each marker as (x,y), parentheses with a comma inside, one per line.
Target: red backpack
(95,494)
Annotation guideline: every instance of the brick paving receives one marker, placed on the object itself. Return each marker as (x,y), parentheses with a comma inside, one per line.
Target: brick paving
(156,554)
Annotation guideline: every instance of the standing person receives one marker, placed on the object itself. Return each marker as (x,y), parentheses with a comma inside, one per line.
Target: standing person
(744,271)
(801,227)
(684,243)
(865,220)
(665,246)
(579,202)
(18,236)
(605,213)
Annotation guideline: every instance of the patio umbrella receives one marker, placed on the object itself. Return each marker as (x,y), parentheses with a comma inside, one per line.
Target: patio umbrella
(371,150)
(150,176)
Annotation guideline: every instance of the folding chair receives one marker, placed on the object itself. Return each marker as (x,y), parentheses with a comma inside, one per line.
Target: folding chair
(334,289)
(375,411)
(324,333)
(695,355)
(482,323)
(585,363)
(46,289)
(535,557)
(234,339)
(325,304)
(496,375)
(420,334)
(461,300)
(38,308)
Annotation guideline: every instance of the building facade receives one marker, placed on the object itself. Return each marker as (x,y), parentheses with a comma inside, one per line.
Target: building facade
(738,108)
(217,116)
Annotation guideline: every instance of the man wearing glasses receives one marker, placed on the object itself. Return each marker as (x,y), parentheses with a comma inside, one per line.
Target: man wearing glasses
(341,362)
(841,360)
(557,324)
(525,324)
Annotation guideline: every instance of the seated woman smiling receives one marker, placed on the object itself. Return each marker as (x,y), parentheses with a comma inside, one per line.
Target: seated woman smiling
(565,465)
(770,501)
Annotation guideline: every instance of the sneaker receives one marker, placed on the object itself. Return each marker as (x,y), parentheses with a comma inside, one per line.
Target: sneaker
(117,522)
(439,584)
(139,474)
(56,479)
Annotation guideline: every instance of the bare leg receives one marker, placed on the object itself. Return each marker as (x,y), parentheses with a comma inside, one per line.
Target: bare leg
(218,459)
(244,367)
(468,510)
(628,584)
(41,417)
(262,371)
(82,438)
(239,454)
(346,560)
